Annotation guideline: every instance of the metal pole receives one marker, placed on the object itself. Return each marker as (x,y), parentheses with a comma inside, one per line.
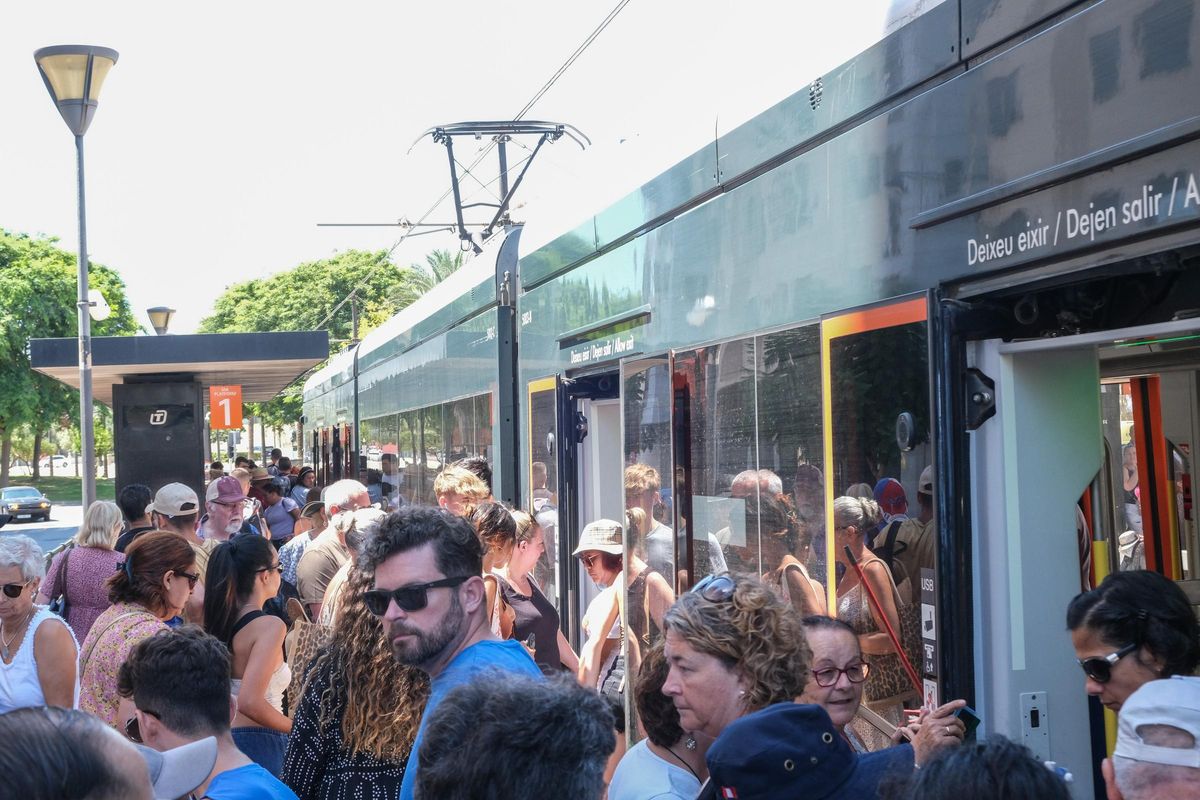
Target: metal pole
(86,434)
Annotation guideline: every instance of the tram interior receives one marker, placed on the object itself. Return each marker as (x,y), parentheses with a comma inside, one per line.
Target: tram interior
(1086,469)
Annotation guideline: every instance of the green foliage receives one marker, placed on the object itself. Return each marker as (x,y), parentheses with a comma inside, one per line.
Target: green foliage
(38,284)
(304,296)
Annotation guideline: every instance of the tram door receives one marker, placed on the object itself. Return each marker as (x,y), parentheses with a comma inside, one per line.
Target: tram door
(1085,469)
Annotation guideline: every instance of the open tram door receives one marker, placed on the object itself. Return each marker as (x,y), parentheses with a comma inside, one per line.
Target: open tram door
(1059,488)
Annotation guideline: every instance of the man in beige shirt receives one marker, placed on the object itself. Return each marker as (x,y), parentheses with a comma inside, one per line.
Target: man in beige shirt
(328,552)
(916,541)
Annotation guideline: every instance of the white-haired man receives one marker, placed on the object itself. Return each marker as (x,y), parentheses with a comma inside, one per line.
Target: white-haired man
(1158,743)
(328,552)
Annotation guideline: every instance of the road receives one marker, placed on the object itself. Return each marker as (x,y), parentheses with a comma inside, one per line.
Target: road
(63,523)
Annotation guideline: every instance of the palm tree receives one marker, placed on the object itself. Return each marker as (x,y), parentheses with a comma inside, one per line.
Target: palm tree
(417,279)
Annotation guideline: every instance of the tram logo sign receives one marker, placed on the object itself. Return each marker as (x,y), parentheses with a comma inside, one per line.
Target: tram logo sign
(225,407)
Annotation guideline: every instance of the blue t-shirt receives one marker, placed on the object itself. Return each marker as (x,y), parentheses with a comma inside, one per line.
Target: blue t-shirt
(279,518)
(250,782)
(479,658)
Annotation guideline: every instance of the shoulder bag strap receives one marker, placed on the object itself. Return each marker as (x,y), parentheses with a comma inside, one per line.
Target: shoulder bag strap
(87,656)
(60,574)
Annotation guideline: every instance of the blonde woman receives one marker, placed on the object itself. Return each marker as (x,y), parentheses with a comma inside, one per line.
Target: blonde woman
(79,572)
(852,517)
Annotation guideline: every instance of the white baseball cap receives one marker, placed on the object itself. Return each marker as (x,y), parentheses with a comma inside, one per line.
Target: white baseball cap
(1172,702)
(175,500)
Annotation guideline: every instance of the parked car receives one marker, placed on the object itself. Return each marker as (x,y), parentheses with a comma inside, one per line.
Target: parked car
(24,502)
(60,462)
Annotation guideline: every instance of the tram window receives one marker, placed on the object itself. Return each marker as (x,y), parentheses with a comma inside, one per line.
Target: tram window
(650,491)
(432,441)
(483,426)
(412,460)
(543,484)
(790,441)
(877,375)
(391,477)
(715,432)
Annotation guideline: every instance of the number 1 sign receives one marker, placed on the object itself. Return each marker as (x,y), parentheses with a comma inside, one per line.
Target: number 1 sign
(225,407)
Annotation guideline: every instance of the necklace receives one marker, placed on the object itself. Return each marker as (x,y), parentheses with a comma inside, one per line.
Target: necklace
(6,643)
(680,759)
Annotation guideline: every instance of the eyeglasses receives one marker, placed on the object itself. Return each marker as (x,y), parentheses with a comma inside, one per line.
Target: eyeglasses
(273,568)
(855,673)
(589,560)
(14,590)
(716,588)
(408,598)
(1099,668)
(192,578)
(133,730)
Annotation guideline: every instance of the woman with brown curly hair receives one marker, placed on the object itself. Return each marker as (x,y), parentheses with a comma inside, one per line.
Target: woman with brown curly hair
(151,585)
(358,712)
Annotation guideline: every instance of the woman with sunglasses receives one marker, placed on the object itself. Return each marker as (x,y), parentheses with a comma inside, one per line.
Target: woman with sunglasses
(150,586)
(37,650)
(835,682)
(243,574)
(1134,628)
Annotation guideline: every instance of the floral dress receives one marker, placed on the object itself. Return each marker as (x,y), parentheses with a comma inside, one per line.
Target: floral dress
(114,634)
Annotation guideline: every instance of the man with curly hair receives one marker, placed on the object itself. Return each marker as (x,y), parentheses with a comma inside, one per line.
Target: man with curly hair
(429,593)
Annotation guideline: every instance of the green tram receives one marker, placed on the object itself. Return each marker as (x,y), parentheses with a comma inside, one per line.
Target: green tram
(971,246)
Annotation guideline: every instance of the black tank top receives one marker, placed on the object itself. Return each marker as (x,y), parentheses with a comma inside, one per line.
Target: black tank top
(536,615)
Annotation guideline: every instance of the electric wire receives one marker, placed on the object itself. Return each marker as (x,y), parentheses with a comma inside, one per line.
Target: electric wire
(558,73)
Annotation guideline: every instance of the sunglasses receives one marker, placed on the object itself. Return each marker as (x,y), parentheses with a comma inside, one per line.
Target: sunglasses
(14,590)
(408,598)
(1099,668)
(192,578)
(273,568)
(589,560)
(716,588)
(855,673)
(133,731)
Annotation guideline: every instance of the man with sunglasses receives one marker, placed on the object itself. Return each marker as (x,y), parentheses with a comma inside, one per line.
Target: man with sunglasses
(429,593)
(168,717)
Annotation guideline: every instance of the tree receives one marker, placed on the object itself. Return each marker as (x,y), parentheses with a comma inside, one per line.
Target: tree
(309,294)
(38,284)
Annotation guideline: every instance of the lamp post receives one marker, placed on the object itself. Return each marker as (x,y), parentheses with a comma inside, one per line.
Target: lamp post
(73,75)
(160,318)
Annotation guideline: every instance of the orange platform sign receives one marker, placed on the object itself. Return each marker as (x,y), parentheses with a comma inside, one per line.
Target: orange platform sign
(225,407)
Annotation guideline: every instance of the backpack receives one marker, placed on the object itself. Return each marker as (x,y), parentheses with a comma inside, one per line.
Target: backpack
(888,548)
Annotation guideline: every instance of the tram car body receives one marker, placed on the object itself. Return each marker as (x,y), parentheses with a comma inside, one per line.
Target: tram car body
(973,246)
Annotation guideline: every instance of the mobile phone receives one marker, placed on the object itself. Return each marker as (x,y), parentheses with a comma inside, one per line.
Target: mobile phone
(969,718)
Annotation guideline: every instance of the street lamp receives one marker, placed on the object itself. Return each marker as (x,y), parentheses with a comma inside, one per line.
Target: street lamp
(73,75)
(160,318)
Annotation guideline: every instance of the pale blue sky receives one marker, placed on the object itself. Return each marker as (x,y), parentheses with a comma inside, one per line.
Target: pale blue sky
(227,130)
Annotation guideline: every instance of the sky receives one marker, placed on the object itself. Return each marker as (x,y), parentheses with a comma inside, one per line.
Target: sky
(228,130)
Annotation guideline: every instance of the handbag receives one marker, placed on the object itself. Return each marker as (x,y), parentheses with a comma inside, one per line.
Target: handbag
(59,604)
(301,646)
(887,678)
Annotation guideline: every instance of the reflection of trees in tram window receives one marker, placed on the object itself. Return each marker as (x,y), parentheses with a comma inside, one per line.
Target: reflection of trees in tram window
(647,415)
(412,465)
(876,375)
(789,402)
(431,440)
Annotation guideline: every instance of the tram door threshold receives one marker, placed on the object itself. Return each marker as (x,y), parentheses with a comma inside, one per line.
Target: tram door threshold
(1065,410)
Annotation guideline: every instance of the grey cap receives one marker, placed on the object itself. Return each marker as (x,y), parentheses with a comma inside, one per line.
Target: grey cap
(174,773)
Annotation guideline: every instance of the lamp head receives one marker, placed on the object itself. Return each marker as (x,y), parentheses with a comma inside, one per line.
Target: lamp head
(73,74)
(160,318)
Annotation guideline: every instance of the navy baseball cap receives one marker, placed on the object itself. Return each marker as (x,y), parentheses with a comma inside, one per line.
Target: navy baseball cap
(792,750)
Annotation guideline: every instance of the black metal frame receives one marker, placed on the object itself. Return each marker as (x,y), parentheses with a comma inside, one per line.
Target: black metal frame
(501,133)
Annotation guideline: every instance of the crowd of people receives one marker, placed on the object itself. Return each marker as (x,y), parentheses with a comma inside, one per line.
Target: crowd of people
(286,641)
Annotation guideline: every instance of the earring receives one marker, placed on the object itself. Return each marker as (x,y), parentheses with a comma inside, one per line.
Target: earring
(690,743)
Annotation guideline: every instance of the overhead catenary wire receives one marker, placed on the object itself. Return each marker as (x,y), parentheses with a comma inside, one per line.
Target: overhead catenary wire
(558,73)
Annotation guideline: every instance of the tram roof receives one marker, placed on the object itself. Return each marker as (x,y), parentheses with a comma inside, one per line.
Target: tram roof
(262,363)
